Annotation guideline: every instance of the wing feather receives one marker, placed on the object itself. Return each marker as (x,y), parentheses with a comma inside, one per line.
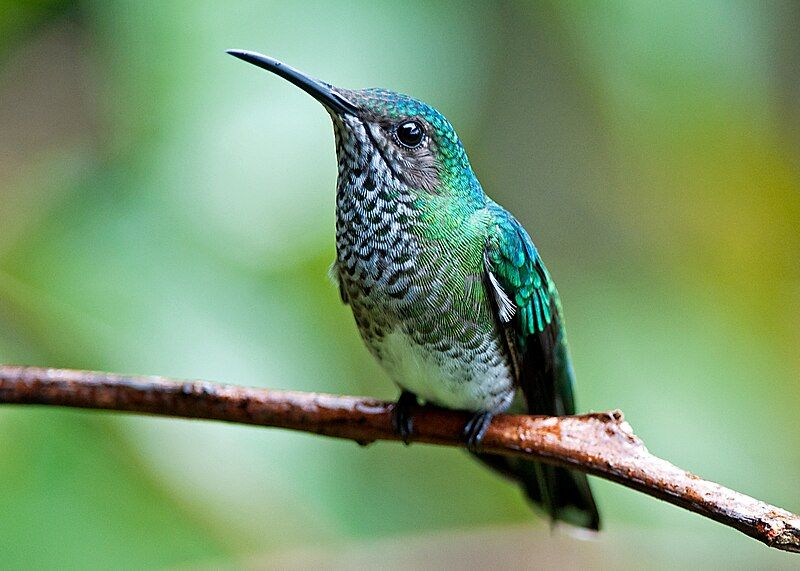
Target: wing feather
(535,339)
(517,273)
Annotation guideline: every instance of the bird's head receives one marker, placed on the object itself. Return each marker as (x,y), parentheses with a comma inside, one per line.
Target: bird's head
(396,140)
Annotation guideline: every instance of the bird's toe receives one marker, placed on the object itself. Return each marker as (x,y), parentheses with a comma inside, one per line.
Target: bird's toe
(475,430)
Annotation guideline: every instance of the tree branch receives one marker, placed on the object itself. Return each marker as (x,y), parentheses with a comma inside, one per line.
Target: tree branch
(601,444)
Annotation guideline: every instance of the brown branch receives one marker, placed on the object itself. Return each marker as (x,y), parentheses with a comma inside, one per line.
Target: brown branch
(601,444)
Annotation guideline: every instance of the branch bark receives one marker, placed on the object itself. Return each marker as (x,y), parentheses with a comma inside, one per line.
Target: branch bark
(601,444)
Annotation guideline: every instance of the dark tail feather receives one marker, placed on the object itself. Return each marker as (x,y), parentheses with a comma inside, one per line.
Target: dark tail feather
(563,494)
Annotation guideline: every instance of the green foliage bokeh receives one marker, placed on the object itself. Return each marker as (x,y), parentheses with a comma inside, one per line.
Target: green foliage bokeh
(169,210)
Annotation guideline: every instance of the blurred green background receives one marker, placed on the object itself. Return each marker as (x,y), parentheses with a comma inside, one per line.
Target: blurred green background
(169,210)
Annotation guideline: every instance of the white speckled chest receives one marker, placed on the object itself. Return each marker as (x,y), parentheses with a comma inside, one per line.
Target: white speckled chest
(419,314)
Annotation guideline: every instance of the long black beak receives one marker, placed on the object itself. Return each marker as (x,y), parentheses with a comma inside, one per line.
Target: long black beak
(321,91)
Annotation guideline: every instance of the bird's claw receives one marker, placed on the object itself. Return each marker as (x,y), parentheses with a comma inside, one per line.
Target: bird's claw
(403,417)
(475,430)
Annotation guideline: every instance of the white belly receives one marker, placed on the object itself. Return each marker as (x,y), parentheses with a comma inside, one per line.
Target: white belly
(469,382)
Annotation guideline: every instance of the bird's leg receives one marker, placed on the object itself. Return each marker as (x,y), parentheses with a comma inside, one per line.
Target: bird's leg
(402,417)
(475,430)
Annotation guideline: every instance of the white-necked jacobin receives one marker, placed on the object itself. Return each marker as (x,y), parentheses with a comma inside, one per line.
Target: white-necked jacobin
(446,287)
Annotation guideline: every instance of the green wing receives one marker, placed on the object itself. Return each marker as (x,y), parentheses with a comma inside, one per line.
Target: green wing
(536,338)
(528,312)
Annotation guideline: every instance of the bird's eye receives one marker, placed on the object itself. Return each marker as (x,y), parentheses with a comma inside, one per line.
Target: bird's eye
(410,134)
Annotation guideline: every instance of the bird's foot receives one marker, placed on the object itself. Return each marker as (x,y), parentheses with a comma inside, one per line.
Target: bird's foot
(475,430)
(402,416)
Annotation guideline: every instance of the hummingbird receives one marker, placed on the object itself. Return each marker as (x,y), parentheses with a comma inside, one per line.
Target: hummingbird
(447,289)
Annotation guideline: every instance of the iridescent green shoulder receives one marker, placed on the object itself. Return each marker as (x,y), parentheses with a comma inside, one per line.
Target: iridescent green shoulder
(513,261)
